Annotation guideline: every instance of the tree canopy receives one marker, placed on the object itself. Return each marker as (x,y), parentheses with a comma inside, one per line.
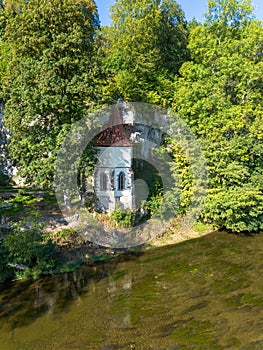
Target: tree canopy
(57,64)
(146,47)
(220,95)
(51,79)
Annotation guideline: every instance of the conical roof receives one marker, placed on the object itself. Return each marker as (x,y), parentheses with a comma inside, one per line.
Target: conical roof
(114,135)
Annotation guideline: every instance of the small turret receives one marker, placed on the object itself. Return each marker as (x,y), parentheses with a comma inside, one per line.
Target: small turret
(113,176)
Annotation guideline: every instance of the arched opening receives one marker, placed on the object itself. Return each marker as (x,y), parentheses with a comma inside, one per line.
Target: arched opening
(103,182)
(121,181)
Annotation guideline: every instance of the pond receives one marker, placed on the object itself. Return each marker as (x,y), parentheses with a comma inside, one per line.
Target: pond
(205,293)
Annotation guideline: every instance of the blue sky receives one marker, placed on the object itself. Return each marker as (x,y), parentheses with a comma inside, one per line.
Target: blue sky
(192,8)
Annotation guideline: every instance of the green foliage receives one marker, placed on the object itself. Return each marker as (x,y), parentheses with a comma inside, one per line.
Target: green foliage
(230,13)
(2,18)
(101,257)
(6,271)
(5,57)
(87,162)
(56,65)
(65,233)
(23,198)
(145,48)
(18,202)
(122,217)
(50,82)
(181,169)
(153,203)
(202,228)
(236,208)
(28,251)
(219,94)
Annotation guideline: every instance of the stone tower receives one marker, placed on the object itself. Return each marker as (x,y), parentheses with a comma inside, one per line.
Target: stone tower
(113,176)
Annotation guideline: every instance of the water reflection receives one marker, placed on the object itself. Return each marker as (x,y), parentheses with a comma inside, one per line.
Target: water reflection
(21,302)
(204,294)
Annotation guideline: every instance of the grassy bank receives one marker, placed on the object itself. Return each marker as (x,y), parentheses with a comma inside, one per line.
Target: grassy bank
(36,240)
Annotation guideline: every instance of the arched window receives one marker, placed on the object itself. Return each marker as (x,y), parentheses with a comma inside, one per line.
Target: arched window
(121,181)
(103,182)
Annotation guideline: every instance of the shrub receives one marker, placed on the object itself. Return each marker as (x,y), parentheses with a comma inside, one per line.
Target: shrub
(123,217)
(237,208)
(30,251)
(153,204)
(66,233)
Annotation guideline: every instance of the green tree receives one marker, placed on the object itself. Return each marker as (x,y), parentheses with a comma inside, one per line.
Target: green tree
(51,81)
(145,48)
(220,94)
(2,18)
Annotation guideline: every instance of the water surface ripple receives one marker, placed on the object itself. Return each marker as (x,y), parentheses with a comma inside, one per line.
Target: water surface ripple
(202,294)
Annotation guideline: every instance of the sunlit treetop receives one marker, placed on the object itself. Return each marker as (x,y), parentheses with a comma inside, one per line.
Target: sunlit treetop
(234,13)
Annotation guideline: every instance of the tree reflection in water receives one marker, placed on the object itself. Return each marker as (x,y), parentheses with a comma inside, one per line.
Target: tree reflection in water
(22,302)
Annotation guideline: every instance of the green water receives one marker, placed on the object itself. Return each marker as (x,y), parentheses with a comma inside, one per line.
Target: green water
(202,294)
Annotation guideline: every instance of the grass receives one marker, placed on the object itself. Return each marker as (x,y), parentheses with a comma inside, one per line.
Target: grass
(201,227)
(17,203)
(65,233)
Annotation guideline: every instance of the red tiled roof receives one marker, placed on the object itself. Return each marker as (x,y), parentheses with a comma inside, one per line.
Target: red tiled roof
(114,135)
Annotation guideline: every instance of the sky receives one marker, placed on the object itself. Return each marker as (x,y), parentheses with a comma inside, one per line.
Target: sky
(192,8)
